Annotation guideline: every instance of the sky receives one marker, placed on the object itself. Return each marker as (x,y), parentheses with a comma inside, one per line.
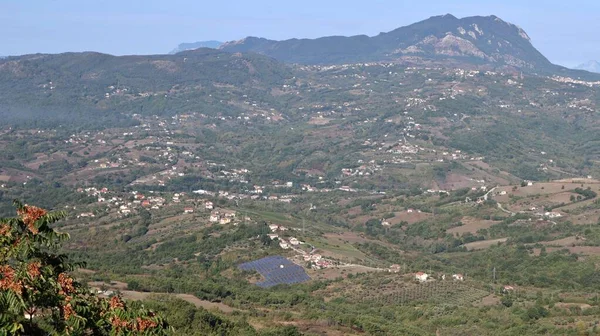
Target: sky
(564,31)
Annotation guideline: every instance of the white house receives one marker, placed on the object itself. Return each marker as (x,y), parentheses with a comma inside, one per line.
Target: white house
(458,277)
(229,214)
(284,245)
(507,289)
(552,214)
(294,241)
(421,276)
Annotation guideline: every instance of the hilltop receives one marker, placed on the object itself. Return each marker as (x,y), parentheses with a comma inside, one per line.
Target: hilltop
(68,88)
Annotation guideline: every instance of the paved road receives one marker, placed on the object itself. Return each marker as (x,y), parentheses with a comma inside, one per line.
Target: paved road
(485,197)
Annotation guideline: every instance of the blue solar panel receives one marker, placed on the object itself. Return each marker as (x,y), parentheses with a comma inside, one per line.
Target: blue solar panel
(276,270)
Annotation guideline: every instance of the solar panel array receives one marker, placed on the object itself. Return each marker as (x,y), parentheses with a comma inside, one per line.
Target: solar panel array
(276,270)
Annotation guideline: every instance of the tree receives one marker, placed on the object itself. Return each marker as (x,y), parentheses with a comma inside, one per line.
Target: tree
(506,301)
(265,240)
(39,297)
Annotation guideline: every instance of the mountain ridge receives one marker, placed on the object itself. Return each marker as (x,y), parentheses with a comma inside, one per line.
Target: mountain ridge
(591,66)
(475,39)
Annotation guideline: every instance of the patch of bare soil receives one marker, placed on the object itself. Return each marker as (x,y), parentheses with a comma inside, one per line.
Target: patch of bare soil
(484,244)
(490,300)
(472,225)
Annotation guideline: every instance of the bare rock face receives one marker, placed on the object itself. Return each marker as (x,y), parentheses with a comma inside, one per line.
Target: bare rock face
(452,45)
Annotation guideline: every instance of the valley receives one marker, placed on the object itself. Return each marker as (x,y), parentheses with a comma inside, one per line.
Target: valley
(421,195)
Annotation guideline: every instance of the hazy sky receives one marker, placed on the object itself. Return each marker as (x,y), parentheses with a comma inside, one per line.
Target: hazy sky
(567,32)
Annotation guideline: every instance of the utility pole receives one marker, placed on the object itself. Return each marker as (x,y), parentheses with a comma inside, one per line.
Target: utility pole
(304,219)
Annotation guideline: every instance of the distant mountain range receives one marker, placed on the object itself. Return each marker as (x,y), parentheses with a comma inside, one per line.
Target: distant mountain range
(477,39)
(196,45)
(591,66)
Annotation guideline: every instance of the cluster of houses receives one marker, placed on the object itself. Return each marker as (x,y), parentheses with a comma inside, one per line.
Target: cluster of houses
(549,214)
(286,244)
(423,277)
(275,227)
(283,243)
(152,202)
(86,214)
(125,204)
(254,194)
(222,216)
(363,170)
(317,261)
(161,177)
